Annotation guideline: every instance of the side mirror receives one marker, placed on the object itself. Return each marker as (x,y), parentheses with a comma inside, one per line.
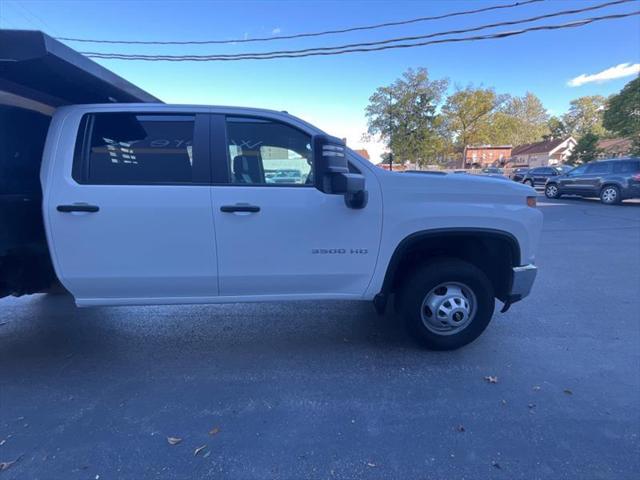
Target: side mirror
(331,172)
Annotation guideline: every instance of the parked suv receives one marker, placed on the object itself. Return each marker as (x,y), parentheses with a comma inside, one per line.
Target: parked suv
(611,180)
(537,177)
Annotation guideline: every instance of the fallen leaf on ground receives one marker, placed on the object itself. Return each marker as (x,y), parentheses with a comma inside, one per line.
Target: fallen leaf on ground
(214,431)
(3,441)
(568,392)
(372,465)
(496,464)
(6,465)
(460,428)
(491,379)
(198,450)
(531,406)
(207,454)
(503,402)
(173,440)
(536,387)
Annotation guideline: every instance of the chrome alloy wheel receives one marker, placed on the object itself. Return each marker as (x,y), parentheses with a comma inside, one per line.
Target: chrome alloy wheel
(552,191)
(448,308)
(609,195)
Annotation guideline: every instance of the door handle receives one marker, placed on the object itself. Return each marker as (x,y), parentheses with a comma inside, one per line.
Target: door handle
(78,207)
(240,207)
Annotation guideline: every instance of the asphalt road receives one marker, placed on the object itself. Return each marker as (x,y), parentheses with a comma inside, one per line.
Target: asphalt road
(330,390)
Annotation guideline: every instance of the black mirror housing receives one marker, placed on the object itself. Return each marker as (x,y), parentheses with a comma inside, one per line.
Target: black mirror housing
(331,171)
(329,160)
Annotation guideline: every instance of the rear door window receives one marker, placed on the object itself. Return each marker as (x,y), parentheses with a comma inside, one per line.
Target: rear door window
(136,148)
(626,166)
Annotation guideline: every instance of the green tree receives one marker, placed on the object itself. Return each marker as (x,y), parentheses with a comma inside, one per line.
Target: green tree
(404,115)
(586,149)
(518,121)
(531,118)
(467,113)
(585,116)
(622,115)
(557,129)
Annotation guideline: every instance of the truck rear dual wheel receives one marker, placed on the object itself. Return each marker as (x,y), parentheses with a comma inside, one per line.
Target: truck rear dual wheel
(447,303)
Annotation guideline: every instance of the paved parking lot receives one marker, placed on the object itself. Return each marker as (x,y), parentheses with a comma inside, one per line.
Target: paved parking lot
(330,390)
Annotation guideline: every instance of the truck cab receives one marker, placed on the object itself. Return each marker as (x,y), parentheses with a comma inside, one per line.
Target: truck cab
(161,204)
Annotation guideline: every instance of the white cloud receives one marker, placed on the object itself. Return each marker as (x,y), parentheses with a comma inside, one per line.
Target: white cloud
(276,31)
(619,71)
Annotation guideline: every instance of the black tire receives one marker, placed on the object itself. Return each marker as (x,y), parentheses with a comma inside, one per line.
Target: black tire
(429,276)
(549,192)
(529,182)
(610,195)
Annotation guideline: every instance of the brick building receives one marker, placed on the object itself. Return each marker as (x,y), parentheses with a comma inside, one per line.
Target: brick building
(486,155)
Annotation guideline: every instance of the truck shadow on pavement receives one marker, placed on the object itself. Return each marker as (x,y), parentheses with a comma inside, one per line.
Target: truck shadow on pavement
(49,327)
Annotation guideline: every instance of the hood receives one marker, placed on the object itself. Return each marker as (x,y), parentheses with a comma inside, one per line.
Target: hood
(458,186)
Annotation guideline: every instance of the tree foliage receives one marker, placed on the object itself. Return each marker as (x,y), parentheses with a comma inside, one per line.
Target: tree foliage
(404,115)
(622,115)
(520,120)
(586,149)
(466,115)
(418,124)
(585,116)
(556,129)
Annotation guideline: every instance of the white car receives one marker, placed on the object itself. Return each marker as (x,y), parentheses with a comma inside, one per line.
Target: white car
(148,204)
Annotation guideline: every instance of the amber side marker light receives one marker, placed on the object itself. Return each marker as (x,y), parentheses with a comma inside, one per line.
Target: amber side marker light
(531,201)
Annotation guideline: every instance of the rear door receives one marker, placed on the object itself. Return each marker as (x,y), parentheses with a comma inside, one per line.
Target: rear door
(591,181)
(277,235)
(128,208)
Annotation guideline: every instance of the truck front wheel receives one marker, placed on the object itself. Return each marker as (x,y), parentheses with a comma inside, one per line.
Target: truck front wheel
(447,303)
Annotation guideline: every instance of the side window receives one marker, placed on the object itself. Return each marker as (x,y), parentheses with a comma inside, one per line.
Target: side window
(131,148)
(626,166)
(578,170)
(265,152)
(599,168)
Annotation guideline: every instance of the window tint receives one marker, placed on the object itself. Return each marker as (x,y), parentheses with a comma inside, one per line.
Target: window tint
(578,170)
(546,171)
(268,153)
(626,166)
(599,168)
(131,148)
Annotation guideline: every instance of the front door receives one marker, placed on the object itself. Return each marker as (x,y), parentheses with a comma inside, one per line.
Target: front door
(276,233)
(129,212)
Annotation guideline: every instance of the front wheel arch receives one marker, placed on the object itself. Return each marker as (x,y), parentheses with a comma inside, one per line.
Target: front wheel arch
(495,252)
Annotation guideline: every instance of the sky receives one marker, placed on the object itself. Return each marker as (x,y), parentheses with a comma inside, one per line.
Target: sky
(332,92)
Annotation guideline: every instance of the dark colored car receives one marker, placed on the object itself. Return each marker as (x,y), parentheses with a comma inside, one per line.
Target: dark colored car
(517,175)
(537,177)
(492,171)
(611,180)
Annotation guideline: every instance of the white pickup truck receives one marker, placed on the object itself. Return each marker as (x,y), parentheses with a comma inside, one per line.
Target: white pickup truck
(158,204)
